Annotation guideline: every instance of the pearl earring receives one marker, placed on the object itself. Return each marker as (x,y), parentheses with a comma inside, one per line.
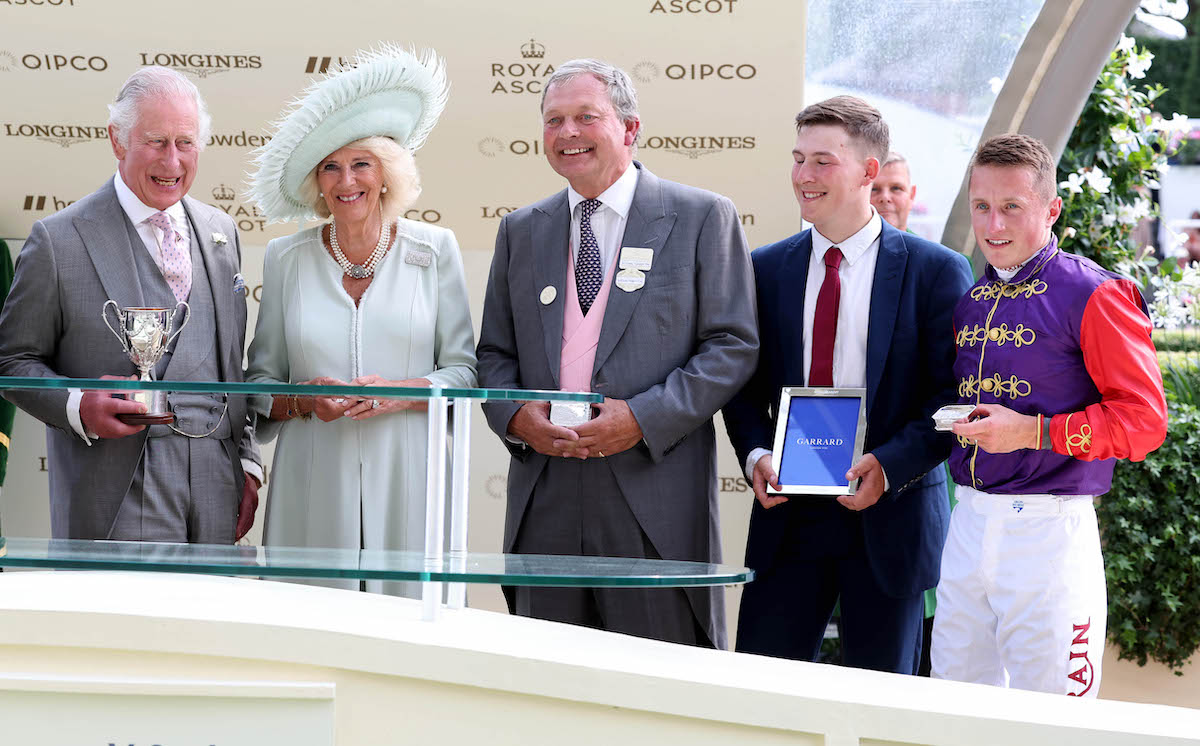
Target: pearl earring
(322,194)
(384,190)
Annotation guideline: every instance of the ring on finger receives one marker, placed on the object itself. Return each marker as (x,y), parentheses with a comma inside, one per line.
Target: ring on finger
(374,403)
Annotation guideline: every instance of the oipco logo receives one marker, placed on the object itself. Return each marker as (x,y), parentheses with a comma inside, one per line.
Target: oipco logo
(201,64)
(64,135)
(676,7)
(491,147)
(69,3)
(53,62)
(647,71)
(694,146)
(496,486)
(524,76)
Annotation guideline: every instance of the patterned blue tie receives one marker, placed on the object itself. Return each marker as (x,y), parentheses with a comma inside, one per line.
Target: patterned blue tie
(588,273)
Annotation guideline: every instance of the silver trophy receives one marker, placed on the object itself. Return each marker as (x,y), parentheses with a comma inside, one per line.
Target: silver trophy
(145,334)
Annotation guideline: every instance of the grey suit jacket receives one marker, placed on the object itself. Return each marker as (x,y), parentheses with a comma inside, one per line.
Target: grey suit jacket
(676,350)
(51,326)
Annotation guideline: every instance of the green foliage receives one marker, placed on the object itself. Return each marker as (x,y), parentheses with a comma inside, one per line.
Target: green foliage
(1114,155)
(1177,340)
(1151,527)
(1181,377)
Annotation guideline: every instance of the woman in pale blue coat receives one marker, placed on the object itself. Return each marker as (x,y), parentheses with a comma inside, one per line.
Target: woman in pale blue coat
(368,298)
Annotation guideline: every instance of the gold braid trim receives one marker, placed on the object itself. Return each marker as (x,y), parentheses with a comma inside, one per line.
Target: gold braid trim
(4,441)
(1012,387)
(1020,337)
(995,290)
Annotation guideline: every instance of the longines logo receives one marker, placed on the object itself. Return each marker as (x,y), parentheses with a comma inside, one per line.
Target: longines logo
(324,64)
(694,146)
(675,7)
(70,3)
(202,65)
(241,139)
(64,135)
(526,76)
(647,71)
(43,202)
(53,62)
(691,146)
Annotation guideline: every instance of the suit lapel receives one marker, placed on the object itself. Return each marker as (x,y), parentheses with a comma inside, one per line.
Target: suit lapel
(219,278)
(885,302)
(793,281)
(551,234)
(106,234)
(647,227)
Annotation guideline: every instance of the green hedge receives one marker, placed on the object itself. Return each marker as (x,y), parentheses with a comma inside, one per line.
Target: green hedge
(1177,340)
(1150,522)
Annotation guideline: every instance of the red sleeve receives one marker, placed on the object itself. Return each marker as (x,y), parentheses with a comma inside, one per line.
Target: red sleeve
(1130,420)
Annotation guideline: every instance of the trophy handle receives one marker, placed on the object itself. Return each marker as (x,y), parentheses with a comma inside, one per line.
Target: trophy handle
(187,316)
(120,321)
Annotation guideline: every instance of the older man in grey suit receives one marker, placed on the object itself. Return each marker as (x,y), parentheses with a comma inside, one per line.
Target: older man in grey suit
(140,241)
(639,289)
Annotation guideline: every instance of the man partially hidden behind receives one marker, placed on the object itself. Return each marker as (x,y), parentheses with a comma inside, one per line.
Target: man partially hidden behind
(639,289)
(851,303)
(1055,353)
(893,192)
(140,241)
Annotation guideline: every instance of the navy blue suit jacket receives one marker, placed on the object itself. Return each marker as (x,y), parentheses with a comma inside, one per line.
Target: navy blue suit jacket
(910,355)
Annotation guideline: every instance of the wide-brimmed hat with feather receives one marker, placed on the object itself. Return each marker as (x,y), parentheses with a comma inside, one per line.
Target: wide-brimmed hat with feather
(385,91)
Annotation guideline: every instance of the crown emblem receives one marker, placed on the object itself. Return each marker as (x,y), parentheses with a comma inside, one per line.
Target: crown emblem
(533,50)
(224,194)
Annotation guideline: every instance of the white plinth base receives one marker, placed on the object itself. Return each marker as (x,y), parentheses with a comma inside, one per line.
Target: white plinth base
(359,668)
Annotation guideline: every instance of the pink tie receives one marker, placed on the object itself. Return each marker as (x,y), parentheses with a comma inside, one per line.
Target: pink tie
(176,259)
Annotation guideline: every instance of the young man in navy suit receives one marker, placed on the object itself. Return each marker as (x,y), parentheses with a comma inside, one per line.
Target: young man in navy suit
(852,302)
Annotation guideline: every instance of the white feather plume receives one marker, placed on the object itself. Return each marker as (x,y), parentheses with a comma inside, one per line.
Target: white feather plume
(388,67)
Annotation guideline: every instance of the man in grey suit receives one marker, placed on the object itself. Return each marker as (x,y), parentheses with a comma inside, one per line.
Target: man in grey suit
(140,241)
(639,289)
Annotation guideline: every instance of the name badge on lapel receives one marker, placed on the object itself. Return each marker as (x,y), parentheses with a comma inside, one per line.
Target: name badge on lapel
(418,258)
(635,258)
(630,280)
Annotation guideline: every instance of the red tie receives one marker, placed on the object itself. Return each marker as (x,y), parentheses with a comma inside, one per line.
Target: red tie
(825,321)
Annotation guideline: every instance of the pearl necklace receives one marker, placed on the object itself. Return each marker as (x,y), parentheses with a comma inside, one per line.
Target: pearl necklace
(367,268)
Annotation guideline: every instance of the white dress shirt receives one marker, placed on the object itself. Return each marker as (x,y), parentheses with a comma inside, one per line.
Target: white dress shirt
(608,222)
(857,274)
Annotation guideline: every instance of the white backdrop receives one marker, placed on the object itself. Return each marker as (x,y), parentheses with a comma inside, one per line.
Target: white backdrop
(719,83)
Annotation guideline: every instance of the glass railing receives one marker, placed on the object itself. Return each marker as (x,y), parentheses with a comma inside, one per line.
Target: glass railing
(363,564)
(446,475)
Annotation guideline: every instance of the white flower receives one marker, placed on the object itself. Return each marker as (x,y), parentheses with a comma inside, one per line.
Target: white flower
(1138,64)
(1132,214)
(1120,135)
(1126,44)
(1073,184)
(1108,220)
(996,84)
(1069,232)
(1179,123)
(1097,180)
(219,239)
